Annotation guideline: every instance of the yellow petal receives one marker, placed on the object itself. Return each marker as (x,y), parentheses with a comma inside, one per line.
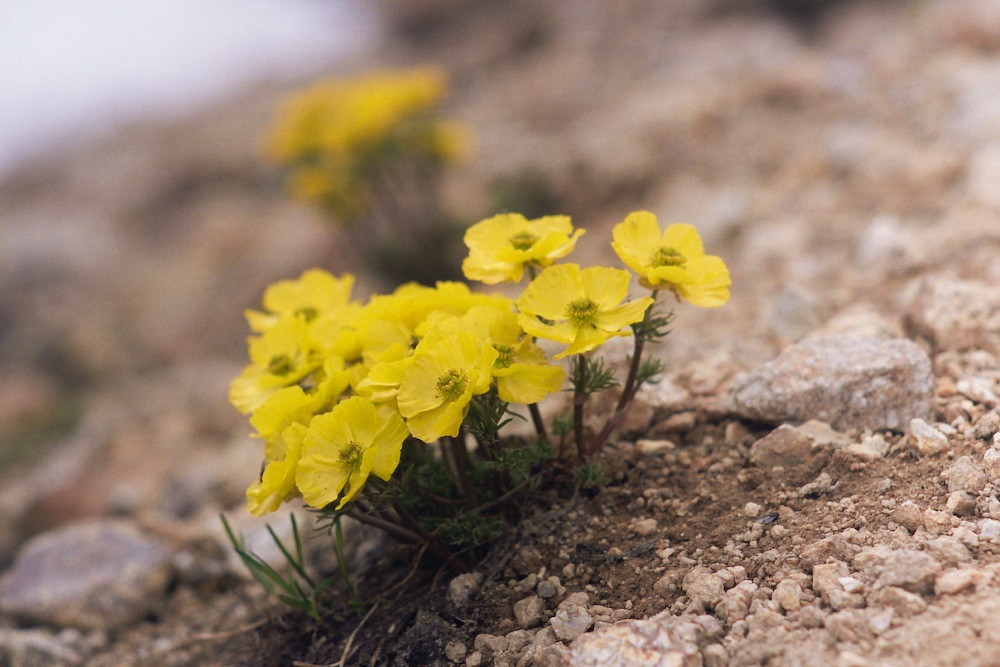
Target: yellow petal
(277,483)
(587,338)
(387,447)
(527,383)
(623,315)
(685,239)
(548,295)
(605,286)
(635,239)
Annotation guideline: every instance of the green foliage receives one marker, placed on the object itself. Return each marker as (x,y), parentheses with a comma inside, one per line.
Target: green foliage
(294,587)
(592,474)
(654,327)
(649,371)
(470,530)
(487,415)
(588,375)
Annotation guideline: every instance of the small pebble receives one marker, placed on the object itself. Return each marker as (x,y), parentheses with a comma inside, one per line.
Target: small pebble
(547,589)
(926,439)
(455,651)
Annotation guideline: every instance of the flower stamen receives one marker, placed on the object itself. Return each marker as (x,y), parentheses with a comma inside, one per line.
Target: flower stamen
(523,240)
(452,384)
(307,313)
(581,311)
(667,256)
(350,454)
(506,355)
(280,364)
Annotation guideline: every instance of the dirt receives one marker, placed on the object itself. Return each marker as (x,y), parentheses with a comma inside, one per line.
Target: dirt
(841,157)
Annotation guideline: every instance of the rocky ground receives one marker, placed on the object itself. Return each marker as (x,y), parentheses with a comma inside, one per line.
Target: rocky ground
(815,481)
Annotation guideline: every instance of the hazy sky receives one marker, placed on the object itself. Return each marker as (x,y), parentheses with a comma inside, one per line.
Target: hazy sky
(71,67)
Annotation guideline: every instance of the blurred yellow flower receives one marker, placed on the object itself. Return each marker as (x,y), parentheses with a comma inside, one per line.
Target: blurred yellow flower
(277,482)
(313,295)
(443,376)
(582,308)
(287,406)
(501,246)
(281,356)
(343,447)
(673,259)
(336,135)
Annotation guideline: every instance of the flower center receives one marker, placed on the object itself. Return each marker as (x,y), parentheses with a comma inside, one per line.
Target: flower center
(452,384)
(280,364)
(505,355)
(523,240)
(581,311)
(350,454)
(666,256)
(307,313)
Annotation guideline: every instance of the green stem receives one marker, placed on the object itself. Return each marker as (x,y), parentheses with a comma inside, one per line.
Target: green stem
(397,531)
(628,391)
(460,459)
(536,419)
(338,547)
(433,544)
(579,402)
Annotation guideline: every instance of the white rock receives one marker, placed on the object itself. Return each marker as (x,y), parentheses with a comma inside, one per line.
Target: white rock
(455,651)
(788,595)
(528,612)
(660,641)
(461,588)
(571,621)
(989,530)
(94,575)
(846,382)
(926,439)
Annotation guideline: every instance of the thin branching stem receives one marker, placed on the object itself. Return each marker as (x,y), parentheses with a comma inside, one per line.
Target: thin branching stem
(536,419)
(393,529)
(433,544)
(460,458)
(579,403)
(628,391)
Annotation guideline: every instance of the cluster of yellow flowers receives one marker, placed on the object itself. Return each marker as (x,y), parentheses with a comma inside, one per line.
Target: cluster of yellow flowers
(335,135)
(334,386)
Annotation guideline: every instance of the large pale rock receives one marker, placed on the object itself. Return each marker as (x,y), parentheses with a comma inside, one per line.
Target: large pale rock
(97,575)
(35,648)
(956,314)
(660,641)
(850,383)
(910,570)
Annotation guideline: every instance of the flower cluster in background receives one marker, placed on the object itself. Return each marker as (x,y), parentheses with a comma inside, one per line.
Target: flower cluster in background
(335,137)
(338,390)
(370,151)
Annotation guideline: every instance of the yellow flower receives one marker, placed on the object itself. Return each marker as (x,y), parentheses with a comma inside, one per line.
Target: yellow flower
(412,304)
(501,246)
(280,357)
(314,295)
(381,383)
(277,483)
(580,307)
(287,406)
(343,447)
(442,378)
(522,371)
(674,259)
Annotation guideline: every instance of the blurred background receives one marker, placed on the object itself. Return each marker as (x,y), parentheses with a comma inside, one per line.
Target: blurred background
(833,152)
